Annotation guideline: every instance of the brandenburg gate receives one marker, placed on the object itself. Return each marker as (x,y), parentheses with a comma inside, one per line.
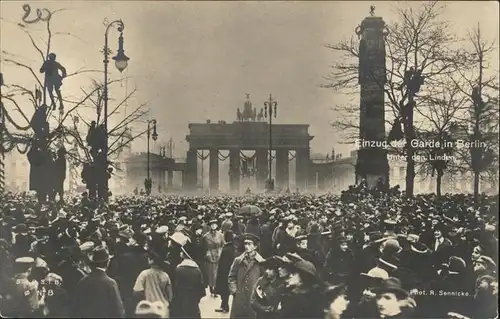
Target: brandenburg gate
(248,133)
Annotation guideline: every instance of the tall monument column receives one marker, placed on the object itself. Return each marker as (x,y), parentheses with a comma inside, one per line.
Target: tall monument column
(372,162)
(262,163)
(191,169)
(282,168)
(302,168)
(234,170)
(213,174)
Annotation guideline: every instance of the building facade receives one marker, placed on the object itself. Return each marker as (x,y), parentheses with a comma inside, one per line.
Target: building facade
(17,172)
(343,175)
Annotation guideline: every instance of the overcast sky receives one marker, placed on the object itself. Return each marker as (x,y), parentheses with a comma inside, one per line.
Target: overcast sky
(196,60)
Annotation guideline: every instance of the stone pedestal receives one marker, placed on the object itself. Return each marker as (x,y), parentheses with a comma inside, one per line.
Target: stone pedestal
(213,173)
(234,170)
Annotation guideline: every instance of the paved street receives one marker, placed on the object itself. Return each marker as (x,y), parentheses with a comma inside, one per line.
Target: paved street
(208,306)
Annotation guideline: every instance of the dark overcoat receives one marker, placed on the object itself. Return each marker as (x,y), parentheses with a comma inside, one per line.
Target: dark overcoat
(242,278)
(187,290)
(302,303)
(97,296)
(226,260)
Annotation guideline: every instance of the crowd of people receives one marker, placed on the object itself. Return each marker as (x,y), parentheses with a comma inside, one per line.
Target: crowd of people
(358,255)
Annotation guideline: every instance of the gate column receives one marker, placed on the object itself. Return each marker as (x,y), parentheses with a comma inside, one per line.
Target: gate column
(234,170)
(213,173)
(261,155)
(282,168)
(170,179)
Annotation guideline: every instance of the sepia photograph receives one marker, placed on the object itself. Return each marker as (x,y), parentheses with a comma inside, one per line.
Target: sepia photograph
(249,159)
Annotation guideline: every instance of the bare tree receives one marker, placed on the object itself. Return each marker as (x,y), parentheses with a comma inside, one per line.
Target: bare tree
(19,95)
(119,134)
(439,108)
(478,126)
(63,131)
(419,50)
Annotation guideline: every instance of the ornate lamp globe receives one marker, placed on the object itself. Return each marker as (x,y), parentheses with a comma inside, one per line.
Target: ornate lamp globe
(121,60)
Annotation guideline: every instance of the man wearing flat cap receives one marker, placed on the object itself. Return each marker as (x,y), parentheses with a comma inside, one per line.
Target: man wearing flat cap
(97,295)
(243,275)
(128,265)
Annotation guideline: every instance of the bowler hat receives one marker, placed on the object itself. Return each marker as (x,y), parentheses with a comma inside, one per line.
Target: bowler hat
(392,285)
(391,247)
(99,255)
(456,264)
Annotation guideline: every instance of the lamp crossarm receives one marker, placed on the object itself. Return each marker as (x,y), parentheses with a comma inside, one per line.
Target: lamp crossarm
(121,27)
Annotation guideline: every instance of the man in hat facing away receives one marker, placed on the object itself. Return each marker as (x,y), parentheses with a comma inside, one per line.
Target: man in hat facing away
(97,295)
(243,275)
(154,284)
(226,260)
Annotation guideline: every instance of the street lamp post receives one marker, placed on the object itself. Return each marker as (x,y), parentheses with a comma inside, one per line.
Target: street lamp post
(148,183)
(270,109)
(121,62)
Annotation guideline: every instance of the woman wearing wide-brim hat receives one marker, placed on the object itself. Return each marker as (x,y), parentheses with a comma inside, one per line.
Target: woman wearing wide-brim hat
(303,297)
(268,290)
